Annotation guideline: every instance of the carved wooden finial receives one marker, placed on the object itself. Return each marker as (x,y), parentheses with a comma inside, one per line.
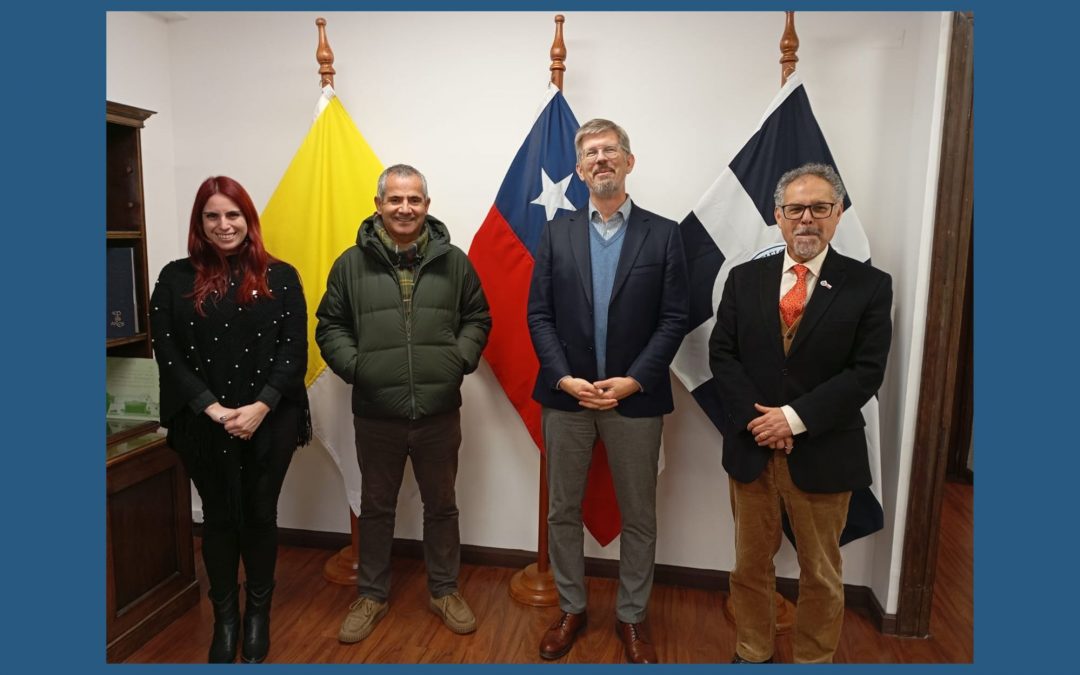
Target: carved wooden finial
(558,53)
(324,55)
(789,44)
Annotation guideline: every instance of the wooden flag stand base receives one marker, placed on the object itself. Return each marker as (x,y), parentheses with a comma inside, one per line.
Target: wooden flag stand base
(530,586)
(535,584)
(342,566)
(785,613)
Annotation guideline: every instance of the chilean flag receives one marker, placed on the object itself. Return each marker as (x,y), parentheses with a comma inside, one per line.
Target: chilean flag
(541,180)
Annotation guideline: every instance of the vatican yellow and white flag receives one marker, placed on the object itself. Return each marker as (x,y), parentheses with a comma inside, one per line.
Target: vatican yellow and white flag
(313,215)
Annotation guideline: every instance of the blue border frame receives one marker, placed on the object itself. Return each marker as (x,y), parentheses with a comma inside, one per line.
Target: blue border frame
(54,62)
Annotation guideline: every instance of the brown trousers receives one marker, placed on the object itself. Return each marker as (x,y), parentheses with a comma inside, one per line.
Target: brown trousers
(817,521)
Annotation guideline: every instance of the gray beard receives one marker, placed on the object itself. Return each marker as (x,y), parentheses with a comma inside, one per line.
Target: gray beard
(807,249)
(604,188)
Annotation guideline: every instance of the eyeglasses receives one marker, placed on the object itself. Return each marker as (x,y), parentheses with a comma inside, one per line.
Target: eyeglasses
(609,152)
(215,217)
(795,211)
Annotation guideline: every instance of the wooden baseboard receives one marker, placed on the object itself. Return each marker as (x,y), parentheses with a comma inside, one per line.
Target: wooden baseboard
(856,598)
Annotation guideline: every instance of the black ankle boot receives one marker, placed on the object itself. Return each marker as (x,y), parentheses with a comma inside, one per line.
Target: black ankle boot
(226,627)
(257,622)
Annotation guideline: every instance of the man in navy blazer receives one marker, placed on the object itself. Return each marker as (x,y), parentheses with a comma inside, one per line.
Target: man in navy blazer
(799,346)
(607,312)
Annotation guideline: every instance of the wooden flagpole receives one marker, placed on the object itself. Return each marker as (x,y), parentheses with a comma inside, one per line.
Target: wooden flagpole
(342,566)
(535,585)
(789,44)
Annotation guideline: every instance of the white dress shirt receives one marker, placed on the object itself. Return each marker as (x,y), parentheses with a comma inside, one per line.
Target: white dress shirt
(787,282)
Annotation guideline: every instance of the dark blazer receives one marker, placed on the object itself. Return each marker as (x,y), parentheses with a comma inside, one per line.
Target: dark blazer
(647,316)
(835,364)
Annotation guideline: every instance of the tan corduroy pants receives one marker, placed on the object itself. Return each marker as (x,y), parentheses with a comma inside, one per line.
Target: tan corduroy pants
(817,521)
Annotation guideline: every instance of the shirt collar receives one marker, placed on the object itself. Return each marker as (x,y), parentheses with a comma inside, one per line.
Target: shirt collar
(813,264)
(624,209)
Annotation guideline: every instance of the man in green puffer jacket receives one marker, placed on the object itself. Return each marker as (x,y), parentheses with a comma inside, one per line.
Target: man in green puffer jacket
(404,319)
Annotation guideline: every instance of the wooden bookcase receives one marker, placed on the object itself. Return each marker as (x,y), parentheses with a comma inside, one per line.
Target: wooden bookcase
(150,558)
(125,218)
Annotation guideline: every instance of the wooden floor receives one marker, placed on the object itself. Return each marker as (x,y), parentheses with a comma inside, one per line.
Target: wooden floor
(688,625)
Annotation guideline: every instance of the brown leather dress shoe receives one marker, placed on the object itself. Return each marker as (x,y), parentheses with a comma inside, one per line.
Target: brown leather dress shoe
(560,636)
(638,647)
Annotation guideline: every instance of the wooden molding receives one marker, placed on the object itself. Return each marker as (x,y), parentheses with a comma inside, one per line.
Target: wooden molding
(128,115)
(935,420)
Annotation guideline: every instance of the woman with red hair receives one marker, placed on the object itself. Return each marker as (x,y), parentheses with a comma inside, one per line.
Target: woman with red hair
(229,329)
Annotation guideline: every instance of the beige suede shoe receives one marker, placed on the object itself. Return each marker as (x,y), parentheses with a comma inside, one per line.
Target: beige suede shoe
(455,613)
(364,613)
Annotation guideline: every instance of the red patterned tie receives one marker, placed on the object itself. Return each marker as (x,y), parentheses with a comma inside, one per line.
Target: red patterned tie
(791,305)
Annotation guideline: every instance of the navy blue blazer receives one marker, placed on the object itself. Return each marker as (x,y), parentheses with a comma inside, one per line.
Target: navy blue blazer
(647,316)
(835,364)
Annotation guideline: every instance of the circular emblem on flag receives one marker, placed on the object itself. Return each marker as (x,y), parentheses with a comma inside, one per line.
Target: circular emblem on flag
(775,249)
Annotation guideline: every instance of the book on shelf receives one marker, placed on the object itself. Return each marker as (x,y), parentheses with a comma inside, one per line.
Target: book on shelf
(121,318)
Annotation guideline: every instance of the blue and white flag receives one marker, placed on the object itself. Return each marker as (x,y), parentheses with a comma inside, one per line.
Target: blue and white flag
(732,223)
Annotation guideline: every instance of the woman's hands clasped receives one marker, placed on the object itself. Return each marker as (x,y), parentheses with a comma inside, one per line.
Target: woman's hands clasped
(239,422)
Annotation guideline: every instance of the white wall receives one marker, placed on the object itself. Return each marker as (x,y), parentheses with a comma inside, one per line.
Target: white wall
(454,94)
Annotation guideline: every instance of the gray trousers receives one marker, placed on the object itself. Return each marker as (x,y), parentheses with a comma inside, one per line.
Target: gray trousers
(381,448)
(633,449)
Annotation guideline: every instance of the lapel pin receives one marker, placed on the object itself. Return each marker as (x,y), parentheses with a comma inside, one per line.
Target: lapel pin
(826,284)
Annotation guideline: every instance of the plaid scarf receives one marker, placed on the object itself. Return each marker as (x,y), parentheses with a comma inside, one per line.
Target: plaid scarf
(406,275)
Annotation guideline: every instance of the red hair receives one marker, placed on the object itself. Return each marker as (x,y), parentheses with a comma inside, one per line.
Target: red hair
(212,267)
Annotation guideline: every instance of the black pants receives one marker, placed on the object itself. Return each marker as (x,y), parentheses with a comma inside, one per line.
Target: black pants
(253,536)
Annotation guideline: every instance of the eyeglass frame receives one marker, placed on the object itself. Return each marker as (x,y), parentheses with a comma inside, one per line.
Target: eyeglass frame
(804,207)
(608,151)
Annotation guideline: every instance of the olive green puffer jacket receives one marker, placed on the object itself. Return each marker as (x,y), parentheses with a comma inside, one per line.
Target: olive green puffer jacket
(403,368)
